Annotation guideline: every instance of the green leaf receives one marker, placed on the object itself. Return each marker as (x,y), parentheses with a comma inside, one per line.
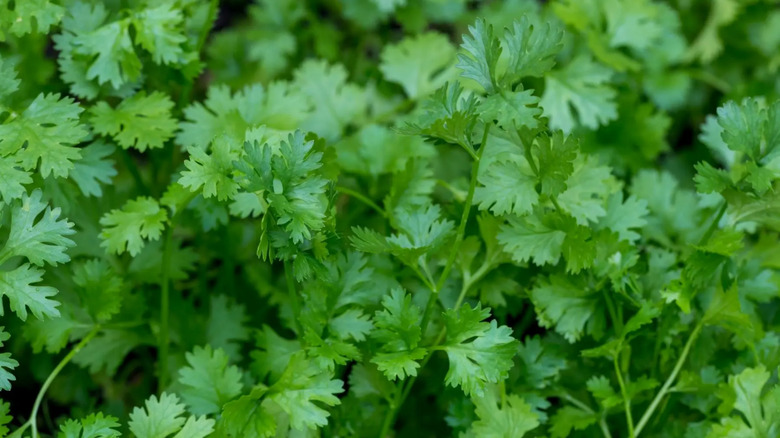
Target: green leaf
(509,417)
(19,285)
(7,364)
(531,47)
(208,381)
(27,16)
(126,228)
(100,288)
(40,238)
(158,30)
(211,172)
(399,333)
(711,180)
(507,186)
(483,52)
(555,157)
(142,121)
(511,110)
(163,417)
(269,113)
(580,85)
(742,127)
(335,102)
(569,418)
(539,366)
(46,131)
(302,384)
(242,417)
(109,49)
(529,238)
(624,217)
(14,178)
(226,327)
(479,352)
(420,64)
(91,426)
(108,350)
(588,188)
(567,306)
(94,168)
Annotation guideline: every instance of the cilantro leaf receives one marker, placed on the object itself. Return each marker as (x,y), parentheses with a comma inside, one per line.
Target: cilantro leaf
(293,189)
(300,386)
(158,30)
(531,47)
(46,130)
(280,108)
(7,364)
(512,110)
(532,238)
(483,52)
(19,286)
(420,65)
(335,102)
(92,426)
(555,157)
(503,418)
(125,229)
(94,168)
(162,417)
(539,366)
(580,85)
(40,238)
(142,121)
(208,380)
(507,186)
(399,333)
(19,20)
(211,172)
(568,307)
(479,352)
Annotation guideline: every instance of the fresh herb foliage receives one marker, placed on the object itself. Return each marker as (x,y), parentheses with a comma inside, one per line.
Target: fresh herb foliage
(389,218)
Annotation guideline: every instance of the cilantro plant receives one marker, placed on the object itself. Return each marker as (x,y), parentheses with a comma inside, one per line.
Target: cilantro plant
(389,218)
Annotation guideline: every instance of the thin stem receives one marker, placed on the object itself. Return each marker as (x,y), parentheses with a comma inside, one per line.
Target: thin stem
(362,198)
(714,225)
(602,422)
(186,94)
(464,218)
(295,302)
(131,166)
(616,321)
(390,415)
(407,387)
(32,421)
(669,381)
(626,400)
(164,337)
(603,425)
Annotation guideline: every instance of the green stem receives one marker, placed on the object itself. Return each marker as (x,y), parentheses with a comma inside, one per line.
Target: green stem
(464,218)
(602,422)
(164,336)
(295,302)
(362,198)
(669,381)
(186,94)
(616,321)
(131,166)
(714,225)
(391,412)
(31,422)
(626,400)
